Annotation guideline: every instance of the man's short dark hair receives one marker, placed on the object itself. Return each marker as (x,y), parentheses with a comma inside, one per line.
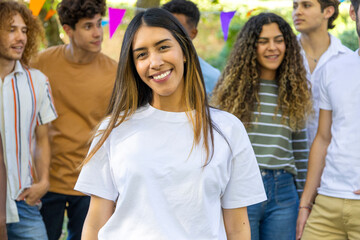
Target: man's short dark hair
(71,11)
(327,3)
(355,4)
(188,8)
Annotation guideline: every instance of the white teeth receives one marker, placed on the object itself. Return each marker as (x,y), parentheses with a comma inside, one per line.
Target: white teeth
(272,57)
(158,77)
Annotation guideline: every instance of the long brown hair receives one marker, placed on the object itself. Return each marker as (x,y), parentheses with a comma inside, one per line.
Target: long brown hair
(238,87)
(130,92)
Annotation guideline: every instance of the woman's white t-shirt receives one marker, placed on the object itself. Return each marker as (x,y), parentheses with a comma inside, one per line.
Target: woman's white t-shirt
(161,187)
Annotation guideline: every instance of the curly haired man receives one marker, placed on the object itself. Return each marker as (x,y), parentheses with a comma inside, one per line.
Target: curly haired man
(25,109)
(82,80)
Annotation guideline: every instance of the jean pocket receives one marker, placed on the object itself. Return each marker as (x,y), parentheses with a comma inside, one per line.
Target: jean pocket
(285,191)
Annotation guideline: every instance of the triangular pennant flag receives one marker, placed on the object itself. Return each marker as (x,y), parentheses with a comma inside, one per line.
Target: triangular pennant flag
(49,14)
(35,6)
(225,18)
(115,17)
(248,14)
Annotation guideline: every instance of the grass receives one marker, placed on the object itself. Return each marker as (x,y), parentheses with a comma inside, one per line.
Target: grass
(64,233)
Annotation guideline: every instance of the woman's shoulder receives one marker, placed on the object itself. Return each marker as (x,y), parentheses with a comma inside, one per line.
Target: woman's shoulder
(230,127)
(122,127)
(223,117)
(226,122)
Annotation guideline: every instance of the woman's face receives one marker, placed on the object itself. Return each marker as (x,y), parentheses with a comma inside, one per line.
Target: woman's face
(270,50)
(159,61)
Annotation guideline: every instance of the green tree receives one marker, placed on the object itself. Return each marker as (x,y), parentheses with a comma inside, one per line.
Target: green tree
(147,4)
(52,25)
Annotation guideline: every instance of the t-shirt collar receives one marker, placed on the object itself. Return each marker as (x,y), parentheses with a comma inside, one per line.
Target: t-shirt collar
(18,68)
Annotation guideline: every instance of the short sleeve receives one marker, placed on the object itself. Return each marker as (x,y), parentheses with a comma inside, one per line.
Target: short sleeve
(46,112)
(324,96)
(96,177)
(245,186)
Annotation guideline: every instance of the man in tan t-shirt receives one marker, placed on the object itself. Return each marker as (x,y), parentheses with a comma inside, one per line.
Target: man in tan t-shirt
(82,80)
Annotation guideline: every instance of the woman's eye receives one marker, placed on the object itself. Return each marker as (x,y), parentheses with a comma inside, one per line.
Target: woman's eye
(164,47)
(140,55)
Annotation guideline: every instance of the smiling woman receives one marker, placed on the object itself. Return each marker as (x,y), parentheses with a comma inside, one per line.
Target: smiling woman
(174,166)
(264,85)
(270,51)
(159,61)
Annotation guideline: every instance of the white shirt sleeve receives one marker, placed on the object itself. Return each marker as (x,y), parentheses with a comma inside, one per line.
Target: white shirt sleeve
(324,96)
(96,177)
(245,186)
(46,112)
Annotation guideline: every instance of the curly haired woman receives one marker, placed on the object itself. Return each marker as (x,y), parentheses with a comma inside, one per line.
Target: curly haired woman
(264,85)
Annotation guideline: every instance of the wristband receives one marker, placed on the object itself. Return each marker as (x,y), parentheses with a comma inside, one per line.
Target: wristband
(306,207)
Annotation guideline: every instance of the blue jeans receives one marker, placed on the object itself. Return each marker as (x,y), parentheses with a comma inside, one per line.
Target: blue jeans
(53,210)
(30,226)
(275,219)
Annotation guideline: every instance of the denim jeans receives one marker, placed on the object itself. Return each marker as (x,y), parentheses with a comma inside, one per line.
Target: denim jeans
(275,219)
(30,226)
(53,210)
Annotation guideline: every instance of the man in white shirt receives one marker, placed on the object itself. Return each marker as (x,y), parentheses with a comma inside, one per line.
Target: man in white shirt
(25,109)
(334,162)
(313,19)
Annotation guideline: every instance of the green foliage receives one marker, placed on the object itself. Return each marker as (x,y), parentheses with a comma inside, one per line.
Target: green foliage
(344,30)
(349,39)
(51,26)
(214,1)
(236,25)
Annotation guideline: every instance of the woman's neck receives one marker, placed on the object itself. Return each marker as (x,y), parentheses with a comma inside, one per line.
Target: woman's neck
(268,75)
(168,104)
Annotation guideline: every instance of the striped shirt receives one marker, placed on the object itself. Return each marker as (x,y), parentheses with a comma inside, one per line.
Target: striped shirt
(276,146)
(25,101)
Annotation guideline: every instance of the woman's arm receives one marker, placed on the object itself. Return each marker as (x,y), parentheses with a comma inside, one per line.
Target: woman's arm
(100,211)
(237,224)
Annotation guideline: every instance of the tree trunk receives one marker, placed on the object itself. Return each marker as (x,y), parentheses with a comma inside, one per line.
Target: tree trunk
(51,29)
(146,4)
